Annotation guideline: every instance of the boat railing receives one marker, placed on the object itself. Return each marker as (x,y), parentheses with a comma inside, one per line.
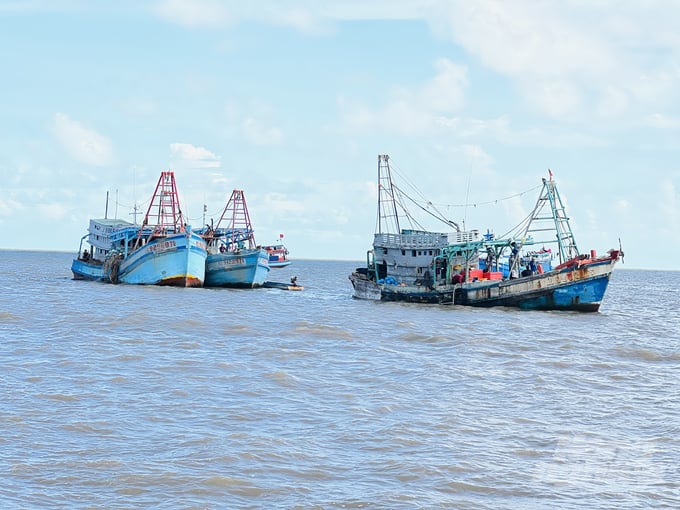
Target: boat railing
(464,237)
(127,233)
(411,241)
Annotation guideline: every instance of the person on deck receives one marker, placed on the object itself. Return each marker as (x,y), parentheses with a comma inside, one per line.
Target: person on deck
(532,265)
(512,261)
(489,259)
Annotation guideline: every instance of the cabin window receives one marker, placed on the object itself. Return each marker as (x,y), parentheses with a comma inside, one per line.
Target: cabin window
(403,252)
(413,253)
(385,251)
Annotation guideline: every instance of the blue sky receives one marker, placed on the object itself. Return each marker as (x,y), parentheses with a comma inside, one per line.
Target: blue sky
(292,101)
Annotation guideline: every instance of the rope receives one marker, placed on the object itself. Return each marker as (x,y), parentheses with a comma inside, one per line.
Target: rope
(437,214)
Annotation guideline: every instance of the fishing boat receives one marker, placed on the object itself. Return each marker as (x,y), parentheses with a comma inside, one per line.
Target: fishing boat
(234,259)
(278,254)
(164,250)
(466,268)
(95,247)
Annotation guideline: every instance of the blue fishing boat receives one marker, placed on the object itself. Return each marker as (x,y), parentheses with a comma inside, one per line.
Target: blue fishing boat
(164,250)
(466,268)
(234,259)
(95,247)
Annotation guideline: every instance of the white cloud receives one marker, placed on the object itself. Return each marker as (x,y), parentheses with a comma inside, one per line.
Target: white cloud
(445,92)
(526,38)
(568,59)
(83,144)
(417,111)
(188,155)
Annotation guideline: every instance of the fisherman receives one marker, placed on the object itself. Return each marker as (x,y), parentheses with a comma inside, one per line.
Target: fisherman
(86,255)
(293,281)
(512,261)
(427,279)
(489,259)
(532,265)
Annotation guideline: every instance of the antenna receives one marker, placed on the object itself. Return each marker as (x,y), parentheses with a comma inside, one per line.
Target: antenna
(134,213)
(388,217)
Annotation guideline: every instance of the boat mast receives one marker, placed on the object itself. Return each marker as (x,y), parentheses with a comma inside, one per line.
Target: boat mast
(164,215)
(237,219)
(388,219)
(558,221)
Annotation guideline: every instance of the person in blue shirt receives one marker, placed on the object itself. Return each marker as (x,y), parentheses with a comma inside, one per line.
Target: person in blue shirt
(532,265)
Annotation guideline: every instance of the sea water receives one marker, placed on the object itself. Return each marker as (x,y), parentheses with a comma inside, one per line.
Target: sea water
(121,396)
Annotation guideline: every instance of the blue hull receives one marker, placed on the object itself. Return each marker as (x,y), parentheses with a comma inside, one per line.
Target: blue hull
(248,268)
(277,263)
(87,271)
(574,288)
(177,260)
(578,289)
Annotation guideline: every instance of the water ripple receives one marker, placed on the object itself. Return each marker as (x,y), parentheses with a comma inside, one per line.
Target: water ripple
(131,397)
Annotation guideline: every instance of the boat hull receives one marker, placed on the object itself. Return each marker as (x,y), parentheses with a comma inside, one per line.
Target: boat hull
(577,287)
(278,263)
(365,288)
(369,290)
(87,270)
(247,268)
(176,260)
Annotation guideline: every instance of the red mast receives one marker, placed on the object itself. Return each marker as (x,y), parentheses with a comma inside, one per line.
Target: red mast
(237,221)
(164,215)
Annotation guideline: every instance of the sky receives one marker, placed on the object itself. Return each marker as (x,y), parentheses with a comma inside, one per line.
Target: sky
(292,101)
